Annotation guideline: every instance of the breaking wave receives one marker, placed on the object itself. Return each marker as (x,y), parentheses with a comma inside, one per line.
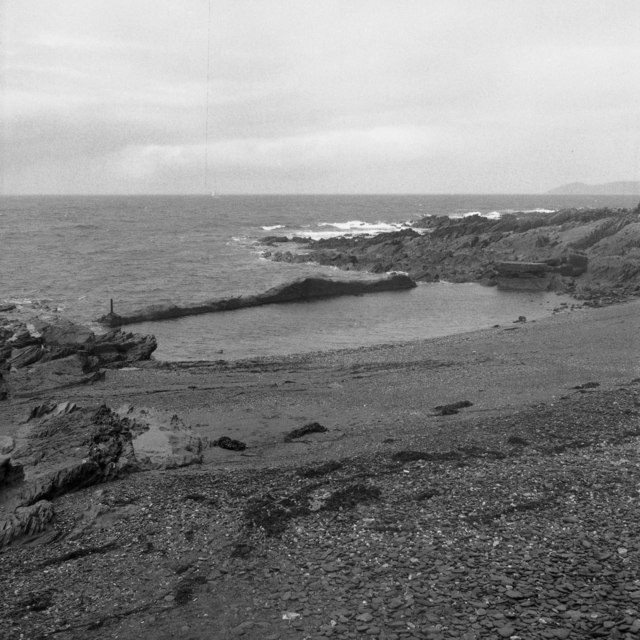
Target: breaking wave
(491,215)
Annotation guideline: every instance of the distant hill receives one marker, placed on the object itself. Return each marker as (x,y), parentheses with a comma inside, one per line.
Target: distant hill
(629,187)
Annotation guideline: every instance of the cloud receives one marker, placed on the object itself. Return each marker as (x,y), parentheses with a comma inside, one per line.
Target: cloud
(503,95)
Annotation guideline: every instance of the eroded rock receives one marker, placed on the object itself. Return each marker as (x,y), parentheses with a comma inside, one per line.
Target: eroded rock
(25,521)
(63,448)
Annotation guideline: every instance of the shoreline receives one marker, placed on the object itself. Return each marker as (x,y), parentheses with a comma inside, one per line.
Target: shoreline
(398,522)
(475,485)
(526,362)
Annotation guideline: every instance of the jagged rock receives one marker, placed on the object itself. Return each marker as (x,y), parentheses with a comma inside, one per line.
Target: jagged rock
(120,347)
(582,252)
(63,448)
(25,521)
(7,307)
(25,356)
(56,483)
(52,408)
(24,338)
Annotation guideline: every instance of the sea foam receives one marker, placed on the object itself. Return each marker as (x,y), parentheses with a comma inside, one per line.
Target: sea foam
(491,215)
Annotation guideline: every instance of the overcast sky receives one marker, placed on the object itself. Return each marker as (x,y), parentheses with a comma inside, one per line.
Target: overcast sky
(317,96)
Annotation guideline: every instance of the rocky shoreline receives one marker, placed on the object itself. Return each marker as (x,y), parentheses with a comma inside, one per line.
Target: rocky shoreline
(482,485)
(591,254)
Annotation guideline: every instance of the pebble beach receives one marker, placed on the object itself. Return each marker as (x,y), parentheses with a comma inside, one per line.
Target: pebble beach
(513,516)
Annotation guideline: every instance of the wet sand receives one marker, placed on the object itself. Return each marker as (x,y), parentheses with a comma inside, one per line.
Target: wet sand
(368,395)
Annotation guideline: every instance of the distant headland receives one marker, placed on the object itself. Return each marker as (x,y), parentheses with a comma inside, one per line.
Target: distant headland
(621,188)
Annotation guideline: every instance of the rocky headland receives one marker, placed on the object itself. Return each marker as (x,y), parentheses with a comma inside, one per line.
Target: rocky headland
(591,254)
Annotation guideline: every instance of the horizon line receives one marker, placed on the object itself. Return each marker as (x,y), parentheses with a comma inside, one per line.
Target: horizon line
(311,194)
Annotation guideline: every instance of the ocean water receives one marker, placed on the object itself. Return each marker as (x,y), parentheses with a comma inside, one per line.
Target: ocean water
(75,253)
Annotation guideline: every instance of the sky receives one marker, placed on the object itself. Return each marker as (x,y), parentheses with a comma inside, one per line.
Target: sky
(317,96)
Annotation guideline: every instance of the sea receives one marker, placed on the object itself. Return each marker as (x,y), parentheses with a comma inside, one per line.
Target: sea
(72,255)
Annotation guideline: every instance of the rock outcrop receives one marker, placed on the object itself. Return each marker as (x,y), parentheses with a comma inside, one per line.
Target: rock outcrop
(589,253)
(62,448)
(526,276)
(44,355)
(301,290)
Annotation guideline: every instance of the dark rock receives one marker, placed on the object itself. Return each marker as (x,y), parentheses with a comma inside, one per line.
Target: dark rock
(301,290)
(7,307)
(122,348)
(312,427)
(229,443)
(25,356)
(65,480)
(10,473)
(274,239)
(450,409)
(63,332)
(4,388)
(24,338)
(587,385)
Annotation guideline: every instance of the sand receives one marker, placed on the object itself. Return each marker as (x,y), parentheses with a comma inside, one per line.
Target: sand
(516,517)
(365,395)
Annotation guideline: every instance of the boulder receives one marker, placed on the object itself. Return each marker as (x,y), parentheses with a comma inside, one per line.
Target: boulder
(161,440)
(229,443)
(452,408)
(311,427)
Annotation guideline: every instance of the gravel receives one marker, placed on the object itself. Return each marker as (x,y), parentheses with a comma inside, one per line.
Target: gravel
(521,526)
